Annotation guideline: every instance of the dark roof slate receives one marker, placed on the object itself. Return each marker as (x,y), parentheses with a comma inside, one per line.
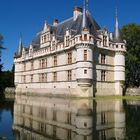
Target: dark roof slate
(74,26)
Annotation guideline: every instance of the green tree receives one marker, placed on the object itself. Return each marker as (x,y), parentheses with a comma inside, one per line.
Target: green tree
(131,33)
(1,47)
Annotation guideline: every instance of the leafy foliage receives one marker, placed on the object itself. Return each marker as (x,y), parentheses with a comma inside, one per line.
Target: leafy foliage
(1,47)
(131,33)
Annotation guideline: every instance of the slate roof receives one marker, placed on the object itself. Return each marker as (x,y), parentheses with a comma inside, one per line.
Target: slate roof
(74,26)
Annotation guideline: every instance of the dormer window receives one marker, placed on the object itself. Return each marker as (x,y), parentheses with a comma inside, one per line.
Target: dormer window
(105,41)
(69,58)
(67,40)
(81,38)
(55,60)
(53,43)
(85,37)
(44,38)
(48,37)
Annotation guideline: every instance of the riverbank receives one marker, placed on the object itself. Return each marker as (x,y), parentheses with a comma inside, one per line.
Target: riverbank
(131,94)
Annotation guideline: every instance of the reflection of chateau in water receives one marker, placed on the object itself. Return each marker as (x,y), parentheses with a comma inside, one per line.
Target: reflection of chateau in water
(38,118)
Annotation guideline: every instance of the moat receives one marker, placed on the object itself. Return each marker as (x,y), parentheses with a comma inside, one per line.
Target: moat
(41,118)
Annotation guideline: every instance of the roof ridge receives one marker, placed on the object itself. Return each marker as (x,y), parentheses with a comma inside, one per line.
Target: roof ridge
(64,21)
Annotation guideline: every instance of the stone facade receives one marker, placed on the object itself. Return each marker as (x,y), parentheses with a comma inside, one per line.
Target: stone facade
(73,57)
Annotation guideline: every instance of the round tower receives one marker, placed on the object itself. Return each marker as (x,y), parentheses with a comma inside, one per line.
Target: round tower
(84,64)
(119,60)
(119,69)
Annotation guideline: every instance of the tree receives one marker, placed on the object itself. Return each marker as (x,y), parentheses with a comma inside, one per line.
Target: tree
(131,33)
(1,47)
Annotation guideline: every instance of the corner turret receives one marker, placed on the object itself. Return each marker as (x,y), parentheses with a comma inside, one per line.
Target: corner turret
(84,20)
(117,34)
(20,46)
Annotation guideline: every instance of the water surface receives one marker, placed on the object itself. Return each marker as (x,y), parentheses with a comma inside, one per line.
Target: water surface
(6,120)
(41,118)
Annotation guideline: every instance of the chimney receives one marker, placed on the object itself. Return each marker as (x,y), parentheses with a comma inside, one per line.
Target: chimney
(55,22)
(77,11)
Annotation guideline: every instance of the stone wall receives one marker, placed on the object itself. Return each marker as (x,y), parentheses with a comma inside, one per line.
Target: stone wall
(133,91)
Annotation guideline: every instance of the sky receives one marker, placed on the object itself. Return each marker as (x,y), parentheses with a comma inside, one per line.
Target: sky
(27,17)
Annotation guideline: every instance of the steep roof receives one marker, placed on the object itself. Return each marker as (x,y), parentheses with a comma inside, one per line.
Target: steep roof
(74,25)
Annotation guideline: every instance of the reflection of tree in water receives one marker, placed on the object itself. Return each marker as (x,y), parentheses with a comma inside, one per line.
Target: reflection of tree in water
(0,115)
(6,105)
(132,122)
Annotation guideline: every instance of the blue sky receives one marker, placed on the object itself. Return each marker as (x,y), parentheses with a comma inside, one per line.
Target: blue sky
(28,16)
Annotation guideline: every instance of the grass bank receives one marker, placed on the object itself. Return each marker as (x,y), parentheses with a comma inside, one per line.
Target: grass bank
(109,98)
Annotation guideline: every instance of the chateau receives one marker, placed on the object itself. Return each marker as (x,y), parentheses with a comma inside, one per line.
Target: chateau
(75,57)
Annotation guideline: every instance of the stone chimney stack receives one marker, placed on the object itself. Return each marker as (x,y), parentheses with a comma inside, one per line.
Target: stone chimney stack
(55,23)
(77,11)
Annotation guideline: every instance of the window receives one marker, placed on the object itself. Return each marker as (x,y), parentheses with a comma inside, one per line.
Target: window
(55,60)
(85,37)
(39,63)
(54,76)
(85,124)
(69,58)
(44,38)
(81,38)
(42,77)
(24,67)
(48,37)
(85,71)
(45,77)
(32,65)
(53,46)
(104,40)
(24,79)
(103,58)
(103,75)
(46,62)
(42,63)
(90,38)
(69,75)
(31,78)
(67,40)
(85,55)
